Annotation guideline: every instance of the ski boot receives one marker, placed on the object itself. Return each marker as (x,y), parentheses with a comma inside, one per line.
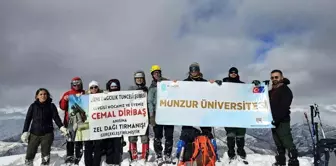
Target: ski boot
(167,158)
(293,154)
(69,160)
(45,160)
(29,162)
(133,151)
(145,152)
(159,158)
(280,160)
(240,149)
(231,143)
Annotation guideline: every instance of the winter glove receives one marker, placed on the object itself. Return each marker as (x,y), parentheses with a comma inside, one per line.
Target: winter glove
(275,123)
(256,82)
(64,131)
(152,120)
(24,137)
(219,82)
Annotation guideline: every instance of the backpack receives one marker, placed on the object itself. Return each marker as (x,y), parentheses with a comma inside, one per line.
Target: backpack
(203,153)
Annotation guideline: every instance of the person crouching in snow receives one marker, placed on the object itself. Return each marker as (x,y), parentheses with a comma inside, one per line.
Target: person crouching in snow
(112,146)
(89,145)
(140,84)
(72,147)
(189,133)
(39,119)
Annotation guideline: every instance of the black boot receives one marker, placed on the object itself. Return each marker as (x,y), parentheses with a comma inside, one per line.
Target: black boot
(231,143)
(280,158)
(293,155)
(158,147)
(240,147)
(45,160)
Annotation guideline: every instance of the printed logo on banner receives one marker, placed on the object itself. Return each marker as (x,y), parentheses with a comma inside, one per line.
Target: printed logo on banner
(259,89)
(163,87)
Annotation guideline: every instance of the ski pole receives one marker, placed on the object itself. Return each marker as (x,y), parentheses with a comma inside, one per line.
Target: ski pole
(181,156)
(317,112)
(310,130)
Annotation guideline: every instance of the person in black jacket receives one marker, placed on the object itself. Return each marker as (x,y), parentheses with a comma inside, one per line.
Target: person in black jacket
(40,118)
(189,133)
(281,98)
(111,146)
(235,136)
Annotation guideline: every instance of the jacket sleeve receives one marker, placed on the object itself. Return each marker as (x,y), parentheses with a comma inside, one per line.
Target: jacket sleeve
(151,101)
(56,116)
(63,103)
(28,119)
(285,103)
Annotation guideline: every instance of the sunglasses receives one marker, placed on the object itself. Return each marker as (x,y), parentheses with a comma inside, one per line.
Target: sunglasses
(94,87)
(233,73)
(275,77)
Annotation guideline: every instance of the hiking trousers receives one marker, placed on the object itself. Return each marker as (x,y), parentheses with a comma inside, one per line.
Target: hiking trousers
(88,153)
(34,142)
(113,149)
(283,140)
(235,136)
(168,132)
(74,149)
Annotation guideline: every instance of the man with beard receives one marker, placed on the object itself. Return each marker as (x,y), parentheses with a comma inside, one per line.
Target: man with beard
(281,98)
(235,136)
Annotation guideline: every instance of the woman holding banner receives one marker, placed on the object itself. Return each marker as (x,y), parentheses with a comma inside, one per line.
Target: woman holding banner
(112,146)
(89,145)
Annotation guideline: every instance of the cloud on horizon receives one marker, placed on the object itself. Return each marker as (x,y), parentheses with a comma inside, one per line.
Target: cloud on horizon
(46,43)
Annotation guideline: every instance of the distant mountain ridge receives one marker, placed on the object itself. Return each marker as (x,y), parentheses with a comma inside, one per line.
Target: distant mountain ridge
(257,140)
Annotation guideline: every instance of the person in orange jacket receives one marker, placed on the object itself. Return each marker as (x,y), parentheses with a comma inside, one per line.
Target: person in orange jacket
(72,147)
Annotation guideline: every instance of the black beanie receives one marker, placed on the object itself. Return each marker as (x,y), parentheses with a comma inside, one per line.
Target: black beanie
(233,69)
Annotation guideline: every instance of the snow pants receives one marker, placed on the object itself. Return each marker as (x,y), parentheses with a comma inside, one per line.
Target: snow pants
(283,140)
(168,131)
(188,135)
(34,142)
(235,136)
(88,153)
(112,147)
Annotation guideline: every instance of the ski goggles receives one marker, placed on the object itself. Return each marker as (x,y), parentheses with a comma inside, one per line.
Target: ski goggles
(139,75)
(194,69)
(76,82)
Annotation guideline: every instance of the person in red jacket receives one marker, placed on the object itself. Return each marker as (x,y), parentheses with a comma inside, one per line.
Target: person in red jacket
(71,147)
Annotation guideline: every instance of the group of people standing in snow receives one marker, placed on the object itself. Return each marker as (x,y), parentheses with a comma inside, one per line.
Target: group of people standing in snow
(38,126)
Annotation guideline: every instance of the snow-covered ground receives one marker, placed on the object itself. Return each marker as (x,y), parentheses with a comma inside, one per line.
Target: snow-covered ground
(57,159)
